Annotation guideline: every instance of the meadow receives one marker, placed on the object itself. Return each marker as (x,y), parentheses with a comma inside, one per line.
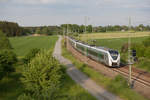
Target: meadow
(11,86)
(117,43)
(108,35)
(22,45)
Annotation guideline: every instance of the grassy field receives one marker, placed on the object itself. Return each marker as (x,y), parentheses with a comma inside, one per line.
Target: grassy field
(22,45)
(85,37)
(116,43)
(11,86)
(117,86)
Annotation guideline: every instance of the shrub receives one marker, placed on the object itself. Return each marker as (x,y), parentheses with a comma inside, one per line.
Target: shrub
(140,49)
(4,42)
(146,42)
(25,97)
(118,84)
(32,53)
(41,76)
(147,53)
(7,60)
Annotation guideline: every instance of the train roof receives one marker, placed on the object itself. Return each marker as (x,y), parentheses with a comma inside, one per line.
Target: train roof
(103,48)
(96,47)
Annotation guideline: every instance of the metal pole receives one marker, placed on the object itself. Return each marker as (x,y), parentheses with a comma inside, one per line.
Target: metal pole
(129,53)
(85,23)
(67,36)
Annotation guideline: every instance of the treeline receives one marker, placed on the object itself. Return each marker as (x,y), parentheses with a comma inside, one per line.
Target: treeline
(71,28)
(13,29)
(48,30)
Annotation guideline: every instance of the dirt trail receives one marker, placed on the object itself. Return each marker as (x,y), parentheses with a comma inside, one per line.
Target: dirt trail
(79,77)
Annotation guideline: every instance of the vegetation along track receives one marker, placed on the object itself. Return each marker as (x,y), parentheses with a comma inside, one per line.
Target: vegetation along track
(137,75)
(140,79)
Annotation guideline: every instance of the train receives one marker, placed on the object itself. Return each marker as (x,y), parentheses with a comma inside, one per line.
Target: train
(106,56)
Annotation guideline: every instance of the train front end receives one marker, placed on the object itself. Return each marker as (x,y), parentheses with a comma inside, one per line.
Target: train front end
(114,58)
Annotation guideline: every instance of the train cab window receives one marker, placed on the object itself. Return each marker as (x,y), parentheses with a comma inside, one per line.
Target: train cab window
(114,54)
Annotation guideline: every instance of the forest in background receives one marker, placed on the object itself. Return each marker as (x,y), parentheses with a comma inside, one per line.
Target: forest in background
(13,29)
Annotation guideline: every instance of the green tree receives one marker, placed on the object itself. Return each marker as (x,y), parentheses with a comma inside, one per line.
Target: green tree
(33,52)
(4,42)
(45,30)
(41,77)
(89,28)
(38,31)
(7,60)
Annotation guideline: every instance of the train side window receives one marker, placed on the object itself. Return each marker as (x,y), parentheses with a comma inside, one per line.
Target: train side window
(92,52)
(101,55)
(80,47)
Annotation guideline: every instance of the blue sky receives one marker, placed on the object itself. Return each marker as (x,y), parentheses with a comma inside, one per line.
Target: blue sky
(56,12)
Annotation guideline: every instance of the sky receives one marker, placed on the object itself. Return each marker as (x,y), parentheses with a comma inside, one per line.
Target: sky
(57,12)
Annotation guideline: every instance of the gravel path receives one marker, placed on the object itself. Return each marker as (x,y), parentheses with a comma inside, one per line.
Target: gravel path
(79,77)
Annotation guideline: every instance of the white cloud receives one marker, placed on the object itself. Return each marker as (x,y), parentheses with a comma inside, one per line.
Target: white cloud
(40,1)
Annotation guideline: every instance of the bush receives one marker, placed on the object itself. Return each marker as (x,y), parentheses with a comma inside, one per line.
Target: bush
(146,42)
(144,63)
(4,42)
(7,60)
(140,49)
(32,53)
(41,76)
(147,53)
(25,97)
(118,84)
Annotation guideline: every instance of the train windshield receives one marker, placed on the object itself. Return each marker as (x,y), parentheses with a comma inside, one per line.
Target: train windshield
(114,54)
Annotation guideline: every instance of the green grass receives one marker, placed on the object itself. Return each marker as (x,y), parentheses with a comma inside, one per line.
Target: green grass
(22,45)
(11,86)
(117,86)
(72,91)
(112,35)
(116,43)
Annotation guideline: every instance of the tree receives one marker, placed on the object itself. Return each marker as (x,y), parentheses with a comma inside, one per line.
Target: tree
(89,28)
(41,77)
(45,30)
(38,31)
(11,28)
(33,52)
(4,42)
(7,60)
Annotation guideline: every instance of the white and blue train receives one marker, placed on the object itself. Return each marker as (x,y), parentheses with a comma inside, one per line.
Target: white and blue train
(103,55)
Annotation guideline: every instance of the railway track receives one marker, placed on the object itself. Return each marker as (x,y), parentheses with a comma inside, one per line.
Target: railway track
(140,78)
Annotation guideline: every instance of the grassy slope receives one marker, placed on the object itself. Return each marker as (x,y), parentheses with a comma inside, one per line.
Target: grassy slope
(72,91)
(22,45)
(11,87)
(116,87)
